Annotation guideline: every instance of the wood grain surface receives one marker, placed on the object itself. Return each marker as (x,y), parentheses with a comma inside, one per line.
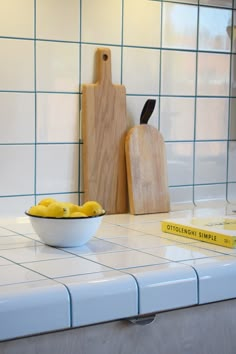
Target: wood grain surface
(146,170)
(104,126)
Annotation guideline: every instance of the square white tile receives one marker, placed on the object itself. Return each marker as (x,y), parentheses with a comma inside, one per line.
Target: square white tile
(20,225)
(15,160)
(165,287)
(213,23)
(177,118)
(14,242)
(146,15)
(65,267)
(27,305)
(57,66)
(56,20)
(179,195)
(210,162)
(212,112)
(15,206)
(179,26)
(209,192)
(181,252)
(95,246)
(15,274)
(61,111)
(15,106)
(109,231)
(17,64)
(17,18)
(126,259)
(135,62)
(179,163)
(33,254)
(101,297)
(213,74)
(57,168)
(141,242)
(101,21)
(178,72)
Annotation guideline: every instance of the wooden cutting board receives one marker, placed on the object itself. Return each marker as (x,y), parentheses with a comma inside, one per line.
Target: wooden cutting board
(146,167)
(104,126)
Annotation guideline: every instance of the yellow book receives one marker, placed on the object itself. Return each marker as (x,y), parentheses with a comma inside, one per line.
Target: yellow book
(217,230)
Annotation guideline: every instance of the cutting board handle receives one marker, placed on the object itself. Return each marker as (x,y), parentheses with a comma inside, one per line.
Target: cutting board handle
(103,65)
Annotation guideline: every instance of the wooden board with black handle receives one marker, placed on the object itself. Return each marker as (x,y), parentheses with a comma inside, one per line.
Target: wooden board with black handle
(146,167)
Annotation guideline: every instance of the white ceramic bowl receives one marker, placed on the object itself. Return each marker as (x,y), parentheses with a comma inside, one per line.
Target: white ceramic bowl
(65,232)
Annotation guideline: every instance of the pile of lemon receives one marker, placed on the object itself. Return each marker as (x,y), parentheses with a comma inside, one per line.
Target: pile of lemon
(49,207)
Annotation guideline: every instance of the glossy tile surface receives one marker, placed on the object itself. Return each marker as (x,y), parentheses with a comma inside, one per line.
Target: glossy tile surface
(151,18)
(179,26)
(164,287)
(216,278)
(130,268)
(38,300)
(101,297)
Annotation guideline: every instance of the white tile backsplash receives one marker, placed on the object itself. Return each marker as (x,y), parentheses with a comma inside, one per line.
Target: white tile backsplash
(178,72)
(17,18)
(57,168)
(56,21)
(16,64)
(18,110)
(134,61)
(178,53)
(101,21)
(213,74)
(210,162)
(60,111)
(17,169)
(148,16)
(177,118)
(179,26)
(57,66)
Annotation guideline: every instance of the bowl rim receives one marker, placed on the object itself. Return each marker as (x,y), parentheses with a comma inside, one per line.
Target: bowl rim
(65,217)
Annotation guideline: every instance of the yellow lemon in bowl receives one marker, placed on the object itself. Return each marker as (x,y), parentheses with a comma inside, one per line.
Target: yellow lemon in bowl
(57,210)
(72,207)
(38,210)
(46,201)
(92,208)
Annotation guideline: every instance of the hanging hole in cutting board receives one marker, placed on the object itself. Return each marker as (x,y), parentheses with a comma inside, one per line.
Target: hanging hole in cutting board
(105,57)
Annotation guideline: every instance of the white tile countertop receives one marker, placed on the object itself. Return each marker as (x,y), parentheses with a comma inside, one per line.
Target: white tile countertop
(129,268)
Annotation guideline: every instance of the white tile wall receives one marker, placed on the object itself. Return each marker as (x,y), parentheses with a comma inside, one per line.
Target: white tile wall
(174,52)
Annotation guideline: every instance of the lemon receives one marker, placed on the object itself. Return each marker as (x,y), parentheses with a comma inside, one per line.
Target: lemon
(57,210)
(38,210)
(92,208)
(46,201)
(72,207)
(78,214)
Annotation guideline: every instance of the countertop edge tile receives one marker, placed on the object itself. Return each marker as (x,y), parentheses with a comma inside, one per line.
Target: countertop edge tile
(25,306)
(216,278)
(101,297)
(165,287)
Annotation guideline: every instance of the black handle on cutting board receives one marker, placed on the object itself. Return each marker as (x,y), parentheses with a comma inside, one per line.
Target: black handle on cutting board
(147,111)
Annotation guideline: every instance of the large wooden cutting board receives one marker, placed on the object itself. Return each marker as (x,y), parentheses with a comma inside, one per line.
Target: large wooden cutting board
(146,170)
(104,126)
